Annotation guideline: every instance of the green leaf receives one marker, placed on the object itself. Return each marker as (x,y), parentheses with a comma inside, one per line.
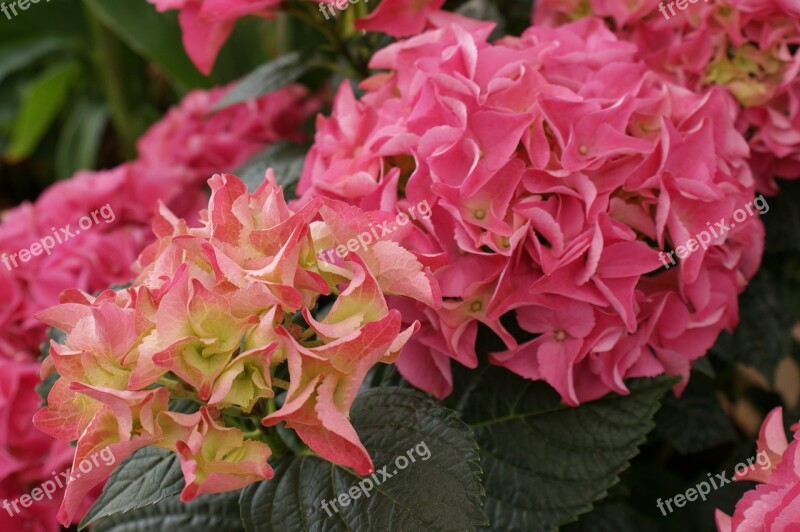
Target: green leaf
(20,55)
(442,492)
(155,36)
(212,513)
(145,478)
(268,78)
(545,463)
(285,158)
(613,517)
(694,422)
(42,101)
(80,138)
(763,337)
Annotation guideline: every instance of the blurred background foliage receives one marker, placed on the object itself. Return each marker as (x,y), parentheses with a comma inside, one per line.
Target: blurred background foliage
(81,80)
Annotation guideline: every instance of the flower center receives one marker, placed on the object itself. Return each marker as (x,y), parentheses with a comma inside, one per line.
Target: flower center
(560,335)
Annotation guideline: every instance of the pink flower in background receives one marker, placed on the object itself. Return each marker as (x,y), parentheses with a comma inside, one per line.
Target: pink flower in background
(27,456)
(557,167)
(774,504)
(748,47)
(211,141)
(207,24)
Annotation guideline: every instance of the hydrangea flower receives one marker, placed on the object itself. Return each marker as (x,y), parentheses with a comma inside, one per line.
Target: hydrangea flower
(176,157)
(560,171)
(748,47)
(775,503)
(215,311)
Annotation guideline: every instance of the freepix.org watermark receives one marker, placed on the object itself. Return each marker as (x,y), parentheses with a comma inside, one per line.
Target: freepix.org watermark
(367,484)
(705,238)
(714,483)
(369,237)
(680,4)
(12,7)
(59,481)
(46,244)
(341,5)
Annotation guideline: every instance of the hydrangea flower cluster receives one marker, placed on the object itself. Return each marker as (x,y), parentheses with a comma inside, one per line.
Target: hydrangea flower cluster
(775,503)
(749,47)
(215,312)
(176,157)
(557,167)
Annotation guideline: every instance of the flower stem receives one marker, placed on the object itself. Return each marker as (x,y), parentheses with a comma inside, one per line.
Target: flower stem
(307,15)
(280,383)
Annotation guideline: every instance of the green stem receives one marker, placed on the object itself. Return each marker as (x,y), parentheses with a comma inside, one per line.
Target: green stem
(308,333)
(315,343)
(280,383)
(306,14)
(176,389)
(253,434)
(275,442)
(109,62)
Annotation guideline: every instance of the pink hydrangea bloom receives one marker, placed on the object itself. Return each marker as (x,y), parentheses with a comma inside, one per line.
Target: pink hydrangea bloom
(176,156)
(749,47)
(775,503)
(557,168)
(27,456)
(212,314)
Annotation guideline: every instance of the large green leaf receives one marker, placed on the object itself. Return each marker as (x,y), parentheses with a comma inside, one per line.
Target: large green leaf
(545,463)
(439,493)
(42,101)
(147,477)
(614,517)
(694,422)
(211,513)
(153,35)
(269,77)
(285,159)
(22,54)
